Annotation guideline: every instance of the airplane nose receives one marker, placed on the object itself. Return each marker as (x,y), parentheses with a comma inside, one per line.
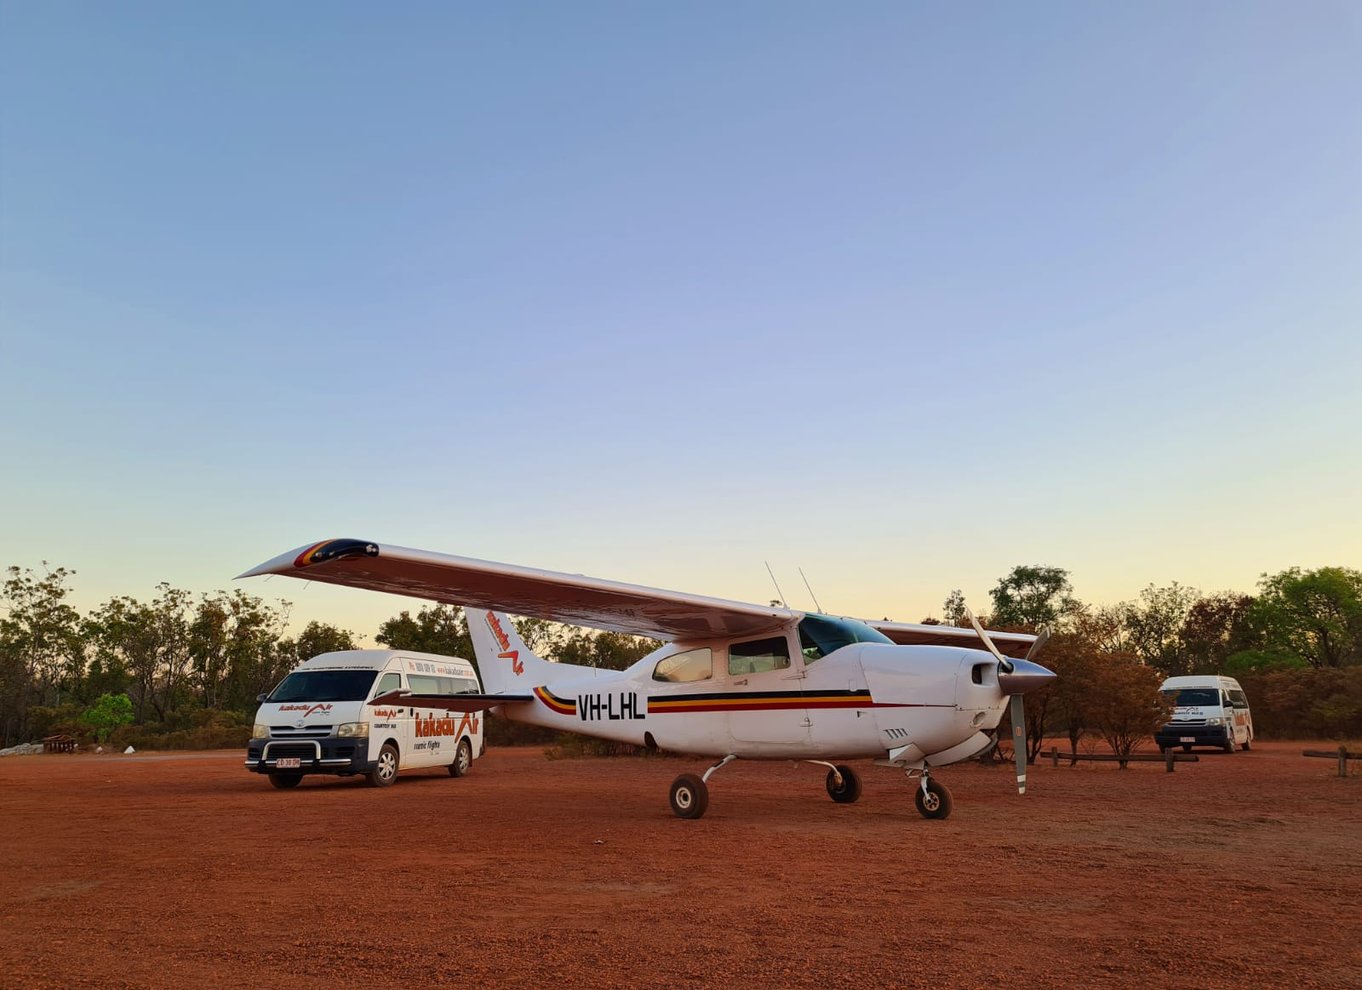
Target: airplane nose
(1024,676)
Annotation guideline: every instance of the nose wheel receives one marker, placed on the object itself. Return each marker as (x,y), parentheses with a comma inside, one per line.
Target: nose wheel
(689,796)
(933,800)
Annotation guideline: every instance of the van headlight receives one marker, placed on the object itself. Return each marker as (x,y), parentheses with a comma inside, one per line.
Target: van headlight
(260,731)
(354,730)
(1215,721)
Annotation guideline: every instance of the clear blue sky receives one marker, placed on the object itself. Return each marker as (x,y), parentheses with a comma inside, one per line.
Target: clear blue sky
(901,293)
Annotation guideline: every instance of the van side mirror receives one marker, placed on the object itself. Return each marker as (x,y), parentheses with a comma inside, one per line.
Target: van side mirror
(260,698)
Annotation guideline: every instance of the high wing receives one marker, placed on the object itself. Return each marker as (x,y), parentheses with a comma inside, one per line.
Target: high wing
(914,634)
(450,702)
(570,598)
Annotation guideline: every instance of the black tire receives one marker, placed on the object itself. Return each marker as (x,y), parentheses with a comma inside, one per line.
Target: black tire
(689,796)
(1229,744)
(1163,748)
(284,781)
(850,788)
(385,768)
(1248,744)
(1186,747)
(936,804)
(463,758)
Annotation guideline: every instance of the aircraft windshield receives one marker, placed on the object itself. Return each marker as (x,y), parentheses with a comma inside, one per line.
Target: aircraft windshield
(820,635)
(324,685)
(1193,697)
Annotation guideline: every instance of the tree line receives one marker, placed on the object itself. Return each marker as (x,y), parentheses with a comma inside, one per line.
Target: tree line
(1295,647)
(191,667)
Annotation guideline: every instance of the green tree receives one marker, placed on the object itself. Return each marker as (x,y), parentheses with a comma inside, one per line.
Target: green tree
(440,629)
(233,640)
(42,654)
(607,650)
(1154,625)
(1216,626)
(152,643)
(107,714)
(1033,596)
(953,609)
(1314,615)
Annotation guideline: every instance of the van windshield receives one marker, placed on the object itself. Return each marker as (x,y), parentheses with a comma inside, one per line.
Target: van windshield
(324,685)
(1193,697)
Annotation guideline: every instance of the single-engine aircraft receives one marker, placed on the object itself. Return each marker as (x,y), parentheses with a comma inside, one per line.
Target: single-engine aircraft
(732,680)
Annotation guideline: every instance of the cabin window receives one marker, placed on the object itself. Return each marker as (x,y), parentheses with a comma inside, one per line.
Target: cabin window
(682,668)
(1238,698)
(390,682)
(758,655)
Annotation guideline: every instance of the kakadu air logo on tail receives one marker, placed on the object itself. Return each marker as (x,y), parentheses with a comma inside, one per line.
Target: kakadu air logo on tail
(494,624)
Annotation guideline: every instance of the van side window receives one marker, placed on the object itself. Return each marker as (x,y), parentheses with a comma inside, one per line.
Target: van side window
(682,668)
(389,682)
(759,655)
(425,684)
(1238,698)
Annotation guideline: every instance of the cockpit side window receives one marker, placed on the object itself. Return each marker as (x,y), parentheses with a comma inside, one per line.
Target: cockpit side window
(683,668)
(758,655)
(389,682)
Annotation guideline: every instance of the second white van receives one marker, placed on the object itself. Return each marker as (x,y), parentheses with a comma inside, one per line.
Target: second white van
(1208,710)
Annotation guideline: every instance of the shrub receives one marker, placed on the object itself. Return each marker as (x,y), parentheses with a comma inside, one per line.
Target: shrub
(1124,703)
(1305,703)
(107,714)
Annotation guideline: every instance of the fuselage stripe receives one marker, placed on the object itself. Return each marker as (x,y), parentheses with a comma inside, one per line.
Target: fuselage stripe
(772,702)
(554,703)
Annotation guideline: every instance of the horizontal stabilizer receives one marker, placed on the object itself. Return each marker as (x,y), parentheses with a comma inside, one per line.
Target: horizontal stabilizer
(451,702)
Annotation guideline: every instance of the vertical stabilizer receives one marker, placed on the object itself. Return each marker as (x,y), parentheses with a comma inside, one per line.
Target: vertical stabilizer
(505,664)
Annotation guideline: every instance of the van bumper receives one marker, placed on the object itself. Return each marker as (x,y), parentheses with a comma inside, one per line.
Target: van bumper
(330,755)
(1201,735)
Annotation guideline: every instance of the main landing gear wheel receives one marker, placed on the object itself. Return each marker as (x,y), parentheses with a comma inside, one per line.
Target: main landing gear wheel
(935,802)
(284,781)
(848,790)
(385,770)
(463,758)
(689,796)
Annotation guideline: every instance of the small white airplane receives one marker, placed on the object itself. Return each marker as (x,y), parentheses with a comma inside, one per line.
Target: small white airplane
(733,680)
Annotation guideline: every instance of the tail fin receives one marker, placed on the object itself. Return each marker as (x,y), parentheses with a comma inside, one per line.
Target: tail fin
(505,663)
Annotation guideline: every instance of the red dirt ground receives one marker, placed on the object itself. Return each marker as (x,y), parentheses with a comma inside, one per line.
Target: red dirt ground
(184,870)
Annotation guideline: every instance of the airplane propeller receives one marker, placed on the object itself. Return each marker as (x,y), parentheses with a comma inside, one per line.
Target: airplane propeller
(1016,677)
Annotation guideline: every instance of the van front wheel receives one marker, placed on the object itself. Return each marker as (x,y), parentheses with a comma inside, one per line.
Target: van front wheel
(284,781)
(463,758)
(385,770)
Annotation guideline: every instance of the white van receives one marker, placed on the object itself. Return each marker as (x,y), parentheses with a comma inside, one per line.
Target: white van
(319,720)
(1207,711)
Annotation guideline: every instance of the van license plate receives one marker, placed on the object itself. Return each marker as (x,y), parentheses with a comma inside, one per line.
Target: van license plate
(1180,739)
(288,763)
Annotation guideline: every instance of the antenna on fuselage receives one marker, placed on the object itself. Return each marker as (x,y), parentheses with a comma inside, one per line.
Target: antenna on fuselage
(779,593)
(811,594)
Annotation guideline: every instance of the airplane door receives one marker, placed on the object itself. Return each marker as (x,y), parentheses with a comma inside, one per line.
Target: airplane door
(766,694)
